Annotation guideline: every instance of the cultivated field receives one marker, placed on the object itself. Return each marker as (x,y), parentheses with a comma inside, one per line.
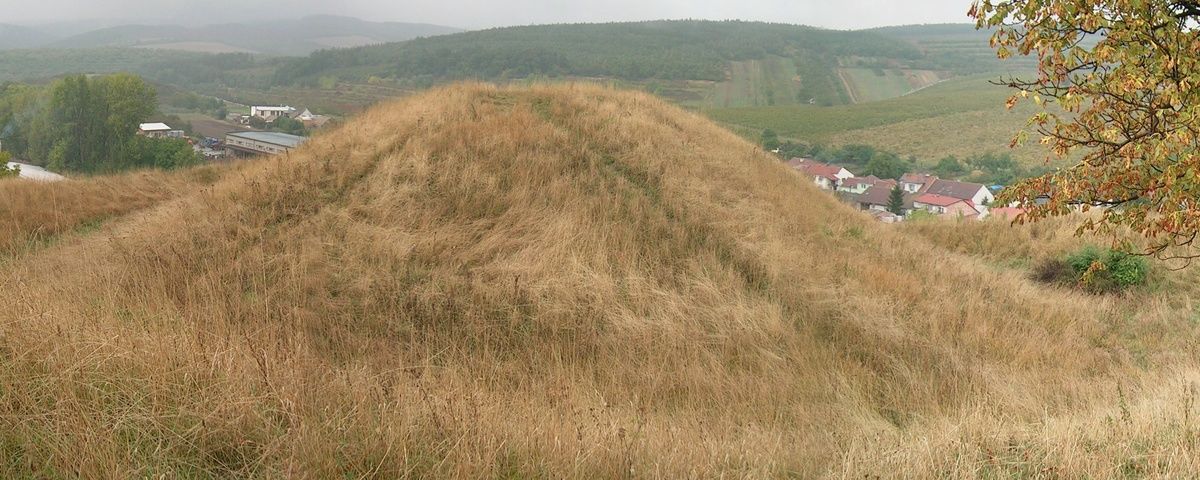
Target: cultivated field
(875,84)
(961,117)
(565,282)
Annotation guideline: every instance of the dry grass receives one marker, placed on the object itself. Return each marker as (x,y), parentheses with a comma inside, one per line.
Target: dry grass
(33,213)
(555,282)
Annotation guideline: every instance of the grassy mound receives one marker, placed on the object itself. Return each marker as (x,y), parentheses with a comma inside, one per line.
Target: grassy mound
(559,281)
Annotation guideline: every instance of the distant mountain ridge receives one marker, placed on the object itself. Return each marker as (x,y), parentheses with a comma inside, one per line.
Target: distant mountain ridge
(275,37)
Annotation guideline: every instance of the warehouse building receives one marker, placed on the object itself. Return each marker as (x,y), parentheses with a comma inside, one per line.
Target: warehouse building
(260,143)
(158,130)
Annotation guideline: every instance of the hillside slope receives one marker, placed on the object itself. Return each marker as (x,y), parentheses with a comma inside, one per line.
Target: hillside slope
(729,63)
(556,282)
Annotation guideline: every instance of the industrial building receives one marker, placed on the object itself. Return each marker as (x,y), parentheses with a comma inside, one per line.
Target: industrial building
(159,130)
(260,143)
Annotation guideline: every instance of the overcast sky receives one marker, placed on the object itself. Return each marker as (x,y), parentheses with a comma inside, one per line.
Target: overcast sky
(841,14)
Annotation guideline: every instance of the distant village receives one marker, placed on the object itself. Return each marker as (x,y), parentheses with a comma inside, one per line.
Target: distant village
(246,143)
(918,193)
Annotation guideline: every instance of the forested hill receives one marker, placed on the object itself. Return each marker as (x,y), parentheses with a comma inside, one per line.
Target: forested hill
(750,63)
(665,50)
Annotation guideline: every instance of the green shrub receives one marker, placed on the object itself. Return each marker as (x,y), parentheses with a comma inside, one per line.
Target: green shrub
(1083,259)
(1099,270)
(1125,269)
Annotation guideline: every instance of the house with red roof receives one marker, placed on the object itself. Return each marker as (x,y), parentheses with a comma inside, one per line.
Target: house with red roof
(859,185)
(978,195)
(824,175)
(919,183)
(946,206)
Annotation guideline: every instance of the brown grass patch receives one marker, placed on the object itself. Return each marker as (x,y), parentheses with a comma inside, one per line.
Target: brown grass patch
(560,281)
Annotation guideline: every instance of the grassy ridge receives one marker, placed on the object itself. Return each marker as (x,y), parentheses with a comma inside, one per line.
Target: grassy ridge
(565,282)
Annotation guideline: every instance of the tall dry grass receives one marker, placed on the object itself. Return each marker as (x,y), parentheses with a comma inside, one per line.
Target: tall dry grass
(560,281)
(34,213)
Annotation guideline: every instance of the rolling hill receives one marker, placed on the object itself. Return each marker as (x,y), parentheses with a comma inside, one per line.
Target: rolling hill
(560,282)
(276,37)
(726,64)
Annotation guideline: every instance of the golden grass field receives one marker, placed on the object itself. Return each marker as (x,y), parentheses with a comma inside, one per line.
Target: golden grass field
(560,282)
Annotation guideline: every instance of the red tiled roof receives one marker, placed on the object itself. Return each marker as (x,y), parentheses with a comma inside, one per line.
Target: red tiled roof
(938,200)
(959,190)
(920,178)
(814,168)
(867,180)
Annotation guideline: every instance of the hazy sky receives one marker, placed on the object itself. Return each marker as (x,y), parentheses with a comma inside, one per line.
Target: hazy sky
(840,14)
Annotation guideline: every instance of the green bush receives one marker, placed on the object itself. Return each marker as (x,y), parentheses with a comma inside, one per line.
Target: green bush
(1105,270)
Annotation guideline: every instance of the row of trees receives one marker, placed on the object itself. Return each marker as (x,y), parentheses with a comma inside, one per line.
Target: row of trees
(87,124)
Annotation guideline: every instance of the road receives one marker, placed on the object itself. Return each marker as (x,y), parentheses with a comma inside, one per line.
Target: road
(35,173)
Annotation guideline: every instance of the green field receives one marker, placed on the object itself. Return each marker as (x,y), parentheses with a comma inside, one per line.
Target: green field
(875,84)
(961,117)
(753,83)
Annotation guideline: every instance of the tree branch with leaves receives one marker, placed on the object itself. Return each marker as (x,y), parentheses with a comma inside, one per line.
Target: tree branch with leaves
(1117,86)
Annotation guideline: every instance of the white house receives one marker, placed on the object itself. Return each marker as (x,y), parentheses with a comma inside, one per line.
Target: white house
(270,114)
(916,182)
(826,176)
(305,115)
(979,195)
(919,183)
(859,185)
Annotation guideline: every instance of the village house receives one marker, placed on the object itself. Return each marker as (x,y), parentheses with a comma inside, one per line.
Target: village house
(826,176)
(945,206)
(158,130)
(918,183)
(878,197)
(859,185)
(977,194)
(270,114)
(309,119)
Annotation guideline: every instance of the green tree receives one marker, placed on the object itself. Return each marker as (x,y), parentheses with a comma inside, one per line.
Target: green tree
(949,167)
(289,125)
(886,165)
(896,200)
(74,115)
(6,172)
(1117,86)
